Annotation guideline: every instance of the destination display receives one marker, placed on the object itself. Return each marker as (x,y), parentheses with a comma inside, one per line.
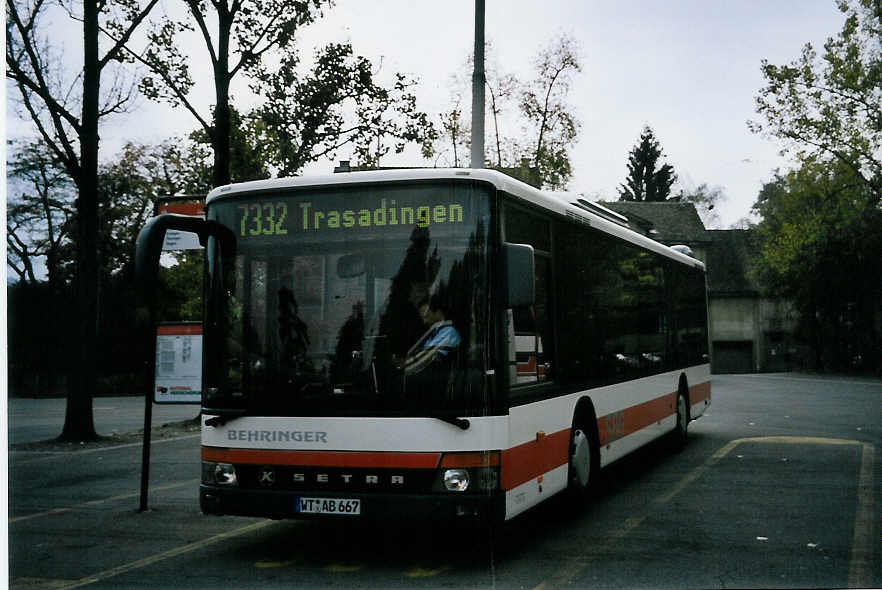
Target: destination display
(272,219)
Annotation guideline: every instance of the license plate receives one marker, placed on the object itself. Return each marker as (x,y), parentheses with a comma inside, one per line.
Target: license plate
(327,506)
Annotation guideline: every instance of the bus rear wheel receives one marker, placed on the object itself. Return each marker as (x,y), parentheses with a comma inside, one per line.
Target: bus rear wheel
(583,466)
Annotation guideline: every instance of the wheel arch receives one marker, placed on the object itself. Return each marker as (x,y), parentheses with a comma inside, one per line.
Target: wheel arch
(584,414)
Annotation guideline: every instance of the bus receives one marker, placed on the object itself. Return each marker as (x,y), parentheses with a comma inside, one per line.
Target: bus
(442,344)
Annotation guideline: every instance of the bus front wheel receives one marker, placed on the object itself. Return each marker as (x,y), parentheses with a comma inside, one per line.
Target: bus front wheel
(681,431)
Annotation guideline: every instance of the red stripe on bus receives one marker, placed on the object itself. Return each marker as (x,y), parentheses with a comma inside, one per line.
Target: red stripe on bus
(699,393)
(617,425)
(391,460)
(529,460)
(470,459)
(185,330)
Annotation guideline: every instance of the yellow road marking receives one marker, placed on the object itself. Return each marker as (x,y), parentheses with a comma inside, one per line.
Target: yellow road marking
(100,501)
(827,381)
(860,568)
(343,568)
(421,572)
(267,564)
(37,583)
(860,564)
(142,563)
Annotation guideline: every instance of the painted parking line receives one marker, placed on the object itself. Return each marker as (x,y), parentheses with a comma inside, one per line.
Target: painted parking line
(152,559)
(49,455)
(830,381)
(860,570)
(98,502)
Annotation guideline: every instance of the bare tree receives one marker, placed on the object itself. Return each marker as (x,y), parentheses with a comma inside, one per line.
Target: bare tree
(502,88)
(66,116)
(543,103)
(547,128)
(40,208)
(456,131)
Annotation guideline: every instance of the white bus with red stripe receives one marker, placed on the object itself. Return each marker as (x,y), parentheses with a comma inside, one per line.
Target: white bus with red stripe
(570,341)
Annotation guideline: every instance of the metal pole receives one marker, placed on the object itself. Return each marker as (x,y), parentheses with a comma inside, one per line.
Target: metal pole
(145,447)
(478,81)
(150,373)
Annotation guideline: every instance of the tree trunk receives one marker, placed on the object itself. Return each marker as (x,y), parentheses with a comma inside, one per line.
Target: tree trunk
(78,421)
(221,137)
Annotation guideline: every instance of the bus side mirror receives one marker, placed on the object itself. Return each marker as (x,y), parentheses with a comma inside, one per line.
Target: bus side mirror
(520,272)
(149,248)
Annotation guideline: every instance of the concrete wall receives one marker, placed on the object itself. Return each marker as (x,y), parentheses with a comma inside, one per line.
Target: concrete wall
(734,318)
(734,321)
(767,325)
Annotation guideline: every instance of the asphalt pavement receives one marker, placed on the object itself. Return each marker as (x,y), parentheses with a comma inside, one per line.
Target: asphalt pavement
(34,420)
(777,487)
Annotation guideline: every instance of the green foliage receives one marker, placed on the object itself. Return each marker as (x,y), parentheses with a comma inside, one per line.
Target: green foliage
(245,32)
(337,103)
(820,244)
(180,287)
(832,105)
(820,223)
(42,218)
(128,186)
(646,181)
(249,160)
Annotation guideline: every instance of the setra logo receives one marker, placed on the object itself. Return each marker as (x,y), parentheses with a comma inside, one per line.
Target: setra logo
(267,477)
(347,479)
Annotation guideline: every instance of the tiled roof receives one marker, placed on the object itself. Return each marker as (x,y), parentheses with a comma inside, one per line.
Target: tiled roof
(673,223)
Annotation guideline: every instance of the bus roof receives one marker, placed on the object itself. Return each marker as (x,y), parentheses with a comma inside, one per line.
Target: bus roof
(566,204)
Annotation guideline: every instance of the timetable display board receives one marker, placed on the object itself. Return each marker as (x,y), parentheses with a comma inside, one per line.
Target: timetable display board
(178,378)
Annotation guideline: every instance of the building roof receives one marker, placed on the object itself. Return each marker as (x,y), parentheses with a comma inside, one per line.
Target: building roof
(729,260)
(667,222)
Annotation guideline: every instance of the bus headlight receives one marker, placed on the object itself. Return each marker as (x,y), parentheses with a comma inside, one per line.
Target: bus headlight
(475,471)
(225,475)
(222,474)
(456,480)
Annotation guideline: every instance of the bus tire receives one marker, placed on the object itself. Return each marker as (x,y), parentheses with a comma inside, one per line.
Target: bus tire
(681,431)
(584,454)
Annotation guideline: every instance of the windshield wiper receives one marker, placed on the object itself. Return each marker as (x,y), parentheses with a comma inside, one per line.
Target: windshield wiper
(221,417)
(461,423)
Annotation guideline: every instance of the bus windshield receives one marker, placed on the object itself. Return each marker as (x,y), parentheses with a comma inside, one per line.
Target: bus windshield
(351,301)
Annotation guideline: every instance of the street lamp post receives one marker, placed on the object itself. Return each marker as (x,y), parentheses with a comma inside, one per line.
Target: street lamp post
(478,80)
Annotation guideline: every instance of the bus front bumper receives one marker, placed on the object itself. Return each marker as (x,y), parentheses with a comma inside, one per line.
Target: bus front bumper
(376,506)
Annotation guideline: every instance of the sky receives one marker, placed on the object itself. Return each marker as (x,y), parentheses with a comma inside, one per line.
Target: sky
(690,69)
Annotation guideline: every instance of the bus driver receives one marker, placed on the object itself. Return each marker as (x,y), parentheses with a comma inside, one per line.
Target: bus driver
(437,347)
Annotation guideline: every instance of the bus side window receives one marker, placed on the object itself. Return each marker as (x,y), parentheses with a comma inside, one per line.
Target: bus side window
(533,336)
